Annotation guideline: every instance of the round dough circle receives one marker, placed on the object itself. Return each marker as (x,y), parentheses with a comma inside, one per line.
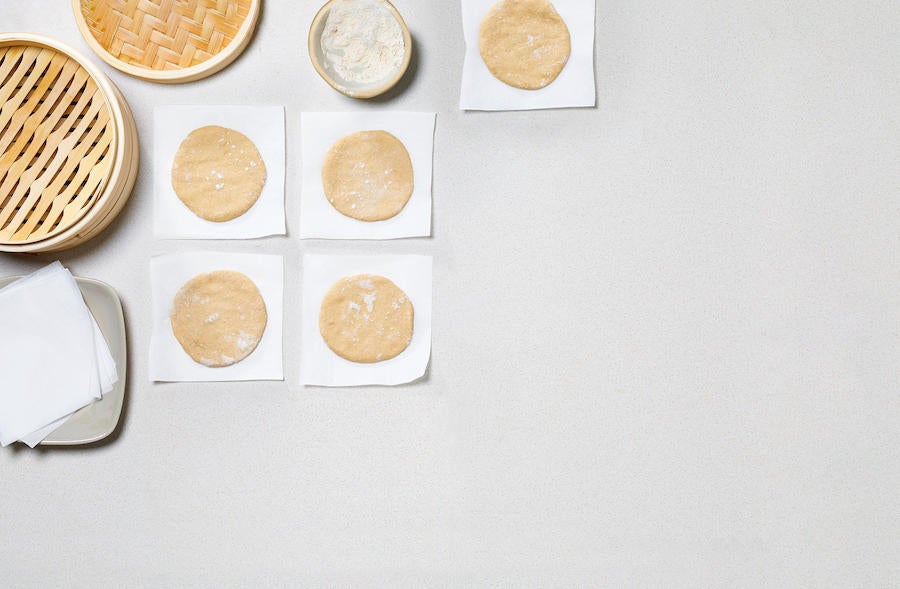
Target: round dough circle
(218,317)
(366,318)
(218,173)
(368,175)
(524,43)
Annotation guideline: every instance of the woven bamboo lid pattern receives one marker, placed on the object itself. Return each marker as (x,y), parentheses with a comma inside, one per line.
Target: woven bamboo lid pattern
(167,40)
(57,142)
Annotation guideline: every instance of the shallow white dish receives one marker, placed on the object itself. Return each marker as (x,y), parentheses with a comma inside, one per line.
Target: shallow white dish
(97,420)
(348,88)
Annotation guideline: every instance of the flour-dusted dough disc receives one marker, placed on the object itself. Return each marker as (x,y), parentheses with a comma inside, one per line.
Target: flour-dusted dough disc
(218,317)
(368,175)
(218,173)
(524,43)
(366,318)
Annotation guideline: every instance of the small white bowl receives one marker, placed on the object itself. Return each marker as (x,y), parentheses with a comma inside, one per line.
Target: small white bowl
(346,87)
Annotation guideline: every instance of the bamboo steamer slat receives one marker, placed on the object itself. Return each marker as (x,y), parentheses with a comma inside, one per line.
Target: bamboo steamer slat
(82,213)
(99,221)
(167,41)
(57,141)
(122,193)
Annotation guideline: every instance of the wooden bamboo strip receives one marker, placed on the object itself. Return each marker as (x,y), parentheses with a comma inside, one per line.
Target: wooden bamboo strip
(26,167)
(71,144)
(20,84)
(11,153)
(122,190)
(9,62)
(63,83)
(88,194)
(121,193)
(84,185)
(20,61)
(48,211)
(30,142)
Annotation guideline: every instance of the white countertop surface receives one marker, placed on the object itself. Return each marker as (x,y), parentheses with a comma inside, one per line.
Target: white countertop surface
(666,341)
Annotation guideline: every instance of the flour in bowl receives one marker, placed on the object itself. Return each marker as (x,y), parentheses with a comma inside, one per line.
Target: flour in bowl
(362,41)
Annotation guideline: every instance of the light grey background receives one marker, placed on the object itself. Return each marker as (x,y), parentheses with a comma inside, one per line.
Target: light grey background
(666,335)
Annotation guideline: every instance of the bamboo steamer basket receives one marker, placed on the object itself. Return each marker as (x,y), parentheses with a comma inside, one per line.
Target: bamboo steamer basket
(168,41)
(68,148)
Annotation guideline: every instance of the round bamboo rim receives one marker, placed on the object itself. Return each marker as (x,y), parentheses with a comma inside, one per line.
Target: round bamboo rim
(123,165)
(59,138)
(315,55)
(164,40)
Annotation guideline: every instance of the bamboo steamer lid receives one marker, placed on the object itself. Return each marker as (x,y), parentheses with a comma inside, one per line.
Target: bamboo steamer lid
(167,41)
(66,151)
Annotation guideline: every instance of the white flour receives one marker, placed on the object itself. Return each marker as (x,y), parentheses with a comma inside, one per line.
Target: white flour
(362,41)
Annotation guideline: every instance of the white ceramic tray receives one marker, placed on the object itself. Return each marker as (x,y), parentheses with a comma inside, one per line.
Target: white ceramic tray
(97,420)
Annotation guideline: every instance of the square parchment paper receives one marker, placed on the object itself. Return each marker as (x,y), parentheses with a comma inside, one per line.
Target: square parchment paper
(169,361)
(319,365)
(263,125)
(319,131)
(574,86)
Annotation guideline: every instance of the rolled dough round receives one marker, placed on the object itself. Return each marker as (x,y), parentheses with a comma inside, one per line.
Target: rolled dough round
(218,173)
(524,43)
(218,317)
(366,318)
(368,175)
